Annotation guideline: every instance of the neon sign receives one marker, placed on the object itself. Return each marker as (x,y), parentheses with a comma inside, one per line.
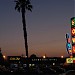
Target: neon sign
(73,48)
(73,22)
(68,46)
(73,40)
(73,31)
(14,58)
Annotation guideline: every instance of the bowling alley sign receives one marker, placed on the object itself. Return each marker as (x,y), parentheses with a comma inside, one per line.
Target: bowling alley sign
(73,35)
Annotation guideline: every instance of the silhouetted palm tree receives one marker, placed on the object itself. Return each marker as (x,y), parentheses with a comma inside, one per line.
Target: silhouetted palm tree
(22,6)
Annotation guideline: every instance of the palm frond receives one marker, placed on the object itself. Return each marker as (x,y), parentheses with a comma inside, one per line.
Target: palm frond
(17,7)
(29,7)
(23,4)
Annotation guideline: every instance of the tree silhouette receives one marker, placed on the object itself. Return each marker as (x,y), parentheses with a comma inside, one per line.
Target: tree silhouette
(1,57)
(33,56)
(22,6)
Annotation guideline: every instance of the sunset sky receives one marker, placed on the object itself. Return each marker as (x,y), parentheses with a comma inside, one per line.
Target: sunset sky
(47,25)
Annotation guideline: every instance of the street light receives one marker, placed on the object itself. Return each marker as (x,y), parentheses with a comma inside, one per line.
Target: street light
(62,56)
(4,56)
(44,56)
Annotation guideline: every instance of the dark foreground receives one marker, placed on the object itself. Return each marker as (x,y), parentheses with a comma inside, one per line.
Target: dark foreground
(25,74)
(48,70)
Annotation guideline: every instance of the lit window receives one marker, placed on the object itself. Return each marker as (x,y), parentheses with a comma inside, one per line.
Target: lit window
(38,59)
(33,64)
(29,65)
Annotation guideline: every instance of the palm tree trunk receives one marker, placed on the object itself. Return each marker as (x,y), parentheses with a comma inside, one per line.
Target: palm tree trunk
(25,32)
(25,35)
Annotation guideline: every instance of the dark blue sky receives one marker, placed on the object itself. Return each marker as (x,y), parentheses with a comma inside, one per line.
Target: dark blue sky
(47,25)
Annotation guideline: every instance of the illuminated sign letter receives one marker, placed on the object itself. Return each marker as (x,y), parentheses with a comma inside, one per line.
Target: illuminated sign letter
(73,22)
(73,40)
(73,31)
(73,48)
